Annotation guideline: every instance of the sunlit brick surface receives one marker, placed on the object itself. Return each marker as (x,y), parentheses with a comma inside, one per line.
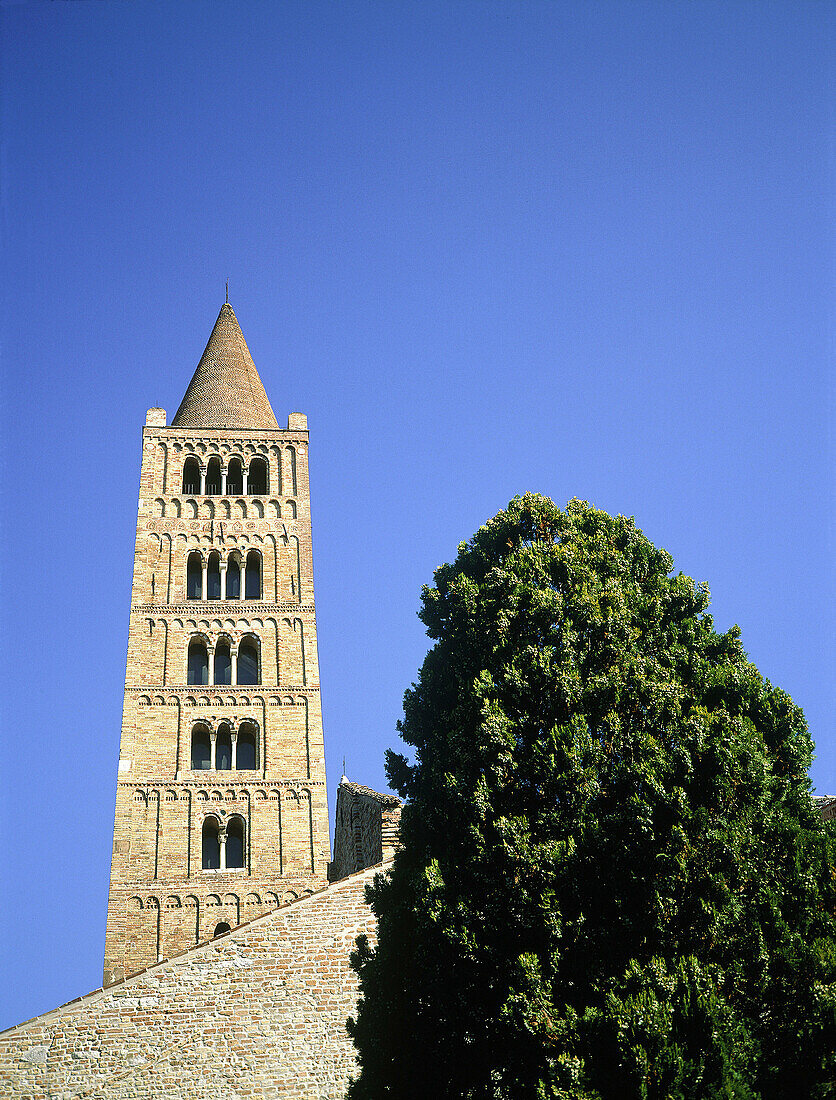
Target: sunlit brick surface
(203,498)
(258,1013)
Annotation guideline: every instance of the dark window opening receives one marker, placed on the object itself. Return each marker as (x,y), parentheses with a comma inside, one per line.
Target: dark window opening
(194,577)
(213,577)
(245,751)
(223,750)
(213,478)
(191,476)
(198,664)
(253,576)
(233,580)
(223,664)
(234,478)
(211,845)
(257,484)
(235,843)
(248,663)
(220,929)
(201,750)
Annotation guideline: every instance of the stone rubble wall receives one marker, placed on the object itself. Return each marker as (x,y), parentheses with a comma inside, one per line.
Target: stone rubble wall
(366,828)
(258,1013)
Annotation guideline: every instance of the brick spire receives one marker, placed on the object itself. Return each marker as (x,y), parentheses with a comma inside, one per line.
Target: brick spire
(225,390)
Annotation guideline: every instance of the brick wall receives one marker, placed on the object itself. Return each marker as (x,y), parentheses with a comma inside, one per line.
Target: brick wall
(365,830)
(259,1012)
(162,899)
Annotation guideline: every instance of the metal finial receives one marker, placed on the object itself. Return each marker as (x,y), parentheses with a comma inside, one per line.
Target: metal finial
(227,292)
(343,765)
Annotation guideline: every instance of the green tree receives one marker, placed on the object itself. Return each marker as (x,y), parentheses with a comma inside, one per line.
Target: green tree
(612,881)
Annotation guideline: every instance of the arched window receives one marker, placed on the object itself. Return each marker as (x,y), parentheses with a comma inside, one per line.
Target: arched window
(233,579)
(245,754)
(257,484)
(223,663)
(201,750)
(213,577)
(248,670)
(235,842)
(253,577)
(198,662)
(194,576)
(234,477)
(211,845)
(223,750)
(191,476)
(220,929)
(213,477)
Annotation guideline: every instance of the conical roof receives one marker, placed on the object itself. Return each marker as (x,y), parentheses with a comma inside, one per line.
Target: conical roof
(225,390)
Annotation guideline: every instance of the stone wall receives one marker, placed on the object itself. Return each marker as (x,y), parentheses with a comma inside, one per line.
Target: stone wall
(365,830)
(257,1013)
(826,806)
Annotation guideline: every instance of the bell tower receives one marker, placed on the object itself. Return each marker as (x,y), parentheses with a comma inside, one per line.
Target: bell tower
(221,811)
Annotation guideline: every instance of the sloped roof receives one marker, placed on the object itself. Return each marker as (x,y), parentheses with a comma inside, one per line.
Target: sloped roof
(358,788)
(225,390)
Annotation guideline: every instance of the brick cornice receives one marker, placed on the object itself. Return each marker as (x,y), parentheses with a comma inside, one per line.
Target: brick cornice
(221,689)
(207,607)
(223,781)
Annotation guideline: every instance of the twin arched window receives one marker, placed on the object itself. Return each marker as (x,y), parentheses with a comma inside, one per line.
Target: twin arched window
(218,586)
(223,849)
(248,665)
(230,753)
(258,477)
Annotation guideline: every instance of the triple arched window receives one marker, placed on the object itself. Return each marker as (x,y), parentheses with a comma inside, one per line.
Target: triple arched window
(225,750)
(213,578)
(234,481)
(223,665)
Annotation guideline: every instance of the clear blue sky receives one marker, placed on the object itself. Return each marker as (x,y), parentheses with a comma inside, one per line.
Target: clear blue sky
(583,249)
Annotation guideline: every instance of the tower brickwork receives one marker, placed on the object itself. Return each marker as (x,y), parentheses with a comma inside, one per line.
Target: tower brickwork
(221,811)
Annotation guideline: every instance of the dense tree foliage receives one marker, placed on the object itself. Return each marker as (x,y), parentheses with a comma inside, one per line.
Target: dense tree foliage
(612,881)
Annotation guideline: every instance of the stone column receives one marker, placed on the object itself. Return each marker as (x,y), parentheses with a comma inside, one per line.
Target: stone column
(233,670)
(211,664)
(202,481)
(223,483)
(223,579)
(244,479)
(213,741)
(204,585)
(234,739)
(222,843)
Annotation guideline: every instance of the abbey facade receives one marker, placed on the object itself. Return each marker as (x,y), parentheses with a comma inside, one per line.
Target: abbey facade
(226,966)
